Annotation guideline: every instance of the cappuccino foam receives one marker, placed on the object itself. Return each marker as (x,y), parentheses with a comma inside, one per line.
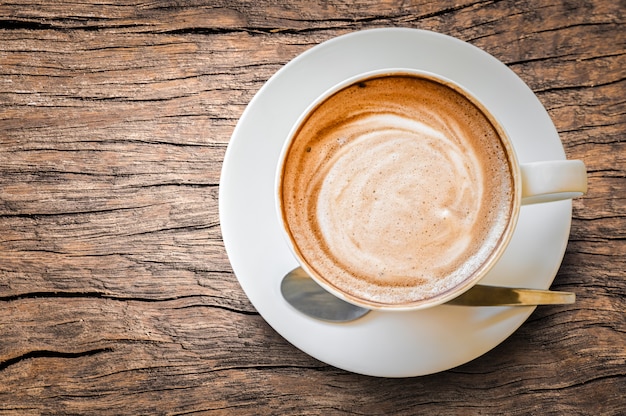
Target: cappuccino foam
(396,189)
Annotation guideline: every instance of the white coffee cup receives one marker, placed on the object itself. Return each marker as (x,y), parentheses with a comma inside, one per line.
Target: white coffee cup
(403,130)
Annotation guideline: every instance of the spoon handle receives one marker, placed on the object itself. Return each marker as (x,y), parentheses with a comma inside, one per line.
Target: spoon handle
(480,295)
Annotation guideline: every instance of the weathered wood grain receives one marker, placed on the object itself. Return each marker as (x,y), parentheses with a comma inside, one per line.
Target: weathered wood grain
(116,294)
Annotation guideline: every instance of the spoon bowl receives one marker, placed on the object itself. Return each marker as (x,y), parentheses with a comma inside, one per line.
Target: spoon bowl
(304,294)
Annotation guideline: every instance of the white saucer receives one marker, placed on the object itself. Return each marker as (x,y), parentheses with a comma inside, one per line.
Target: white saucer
(391,344)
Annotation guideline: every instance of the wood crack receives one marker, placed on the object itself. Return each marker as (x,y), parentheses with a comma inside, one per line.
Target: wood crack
(190,228)
(583,382)
(99,295)
(578,87)
(35,216)
(58,24)
(51,354)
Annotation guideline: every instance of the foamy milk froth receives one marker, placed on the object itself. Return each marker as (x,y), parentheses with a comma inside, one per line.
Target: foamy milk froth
(396,189)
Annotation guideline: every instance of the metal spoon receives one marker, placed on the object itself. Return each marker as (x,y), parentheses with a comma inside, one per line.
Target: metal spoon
(304,294)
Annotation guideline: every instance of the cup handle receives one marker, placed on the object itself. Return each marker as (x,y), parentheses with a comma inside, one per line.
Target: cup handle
(553,180)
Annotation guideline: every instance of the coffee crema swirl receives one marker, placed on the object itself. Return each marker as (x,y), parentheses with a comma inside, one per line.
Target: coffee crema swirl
(396,189)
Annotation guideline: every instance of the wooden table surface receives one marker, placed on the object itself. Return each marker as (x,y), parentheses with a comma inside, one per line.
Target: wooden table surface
(116,293)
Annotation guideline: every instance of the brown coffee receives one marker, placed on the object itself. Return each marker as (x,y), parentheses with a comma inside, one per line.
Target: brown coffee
(396,189)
